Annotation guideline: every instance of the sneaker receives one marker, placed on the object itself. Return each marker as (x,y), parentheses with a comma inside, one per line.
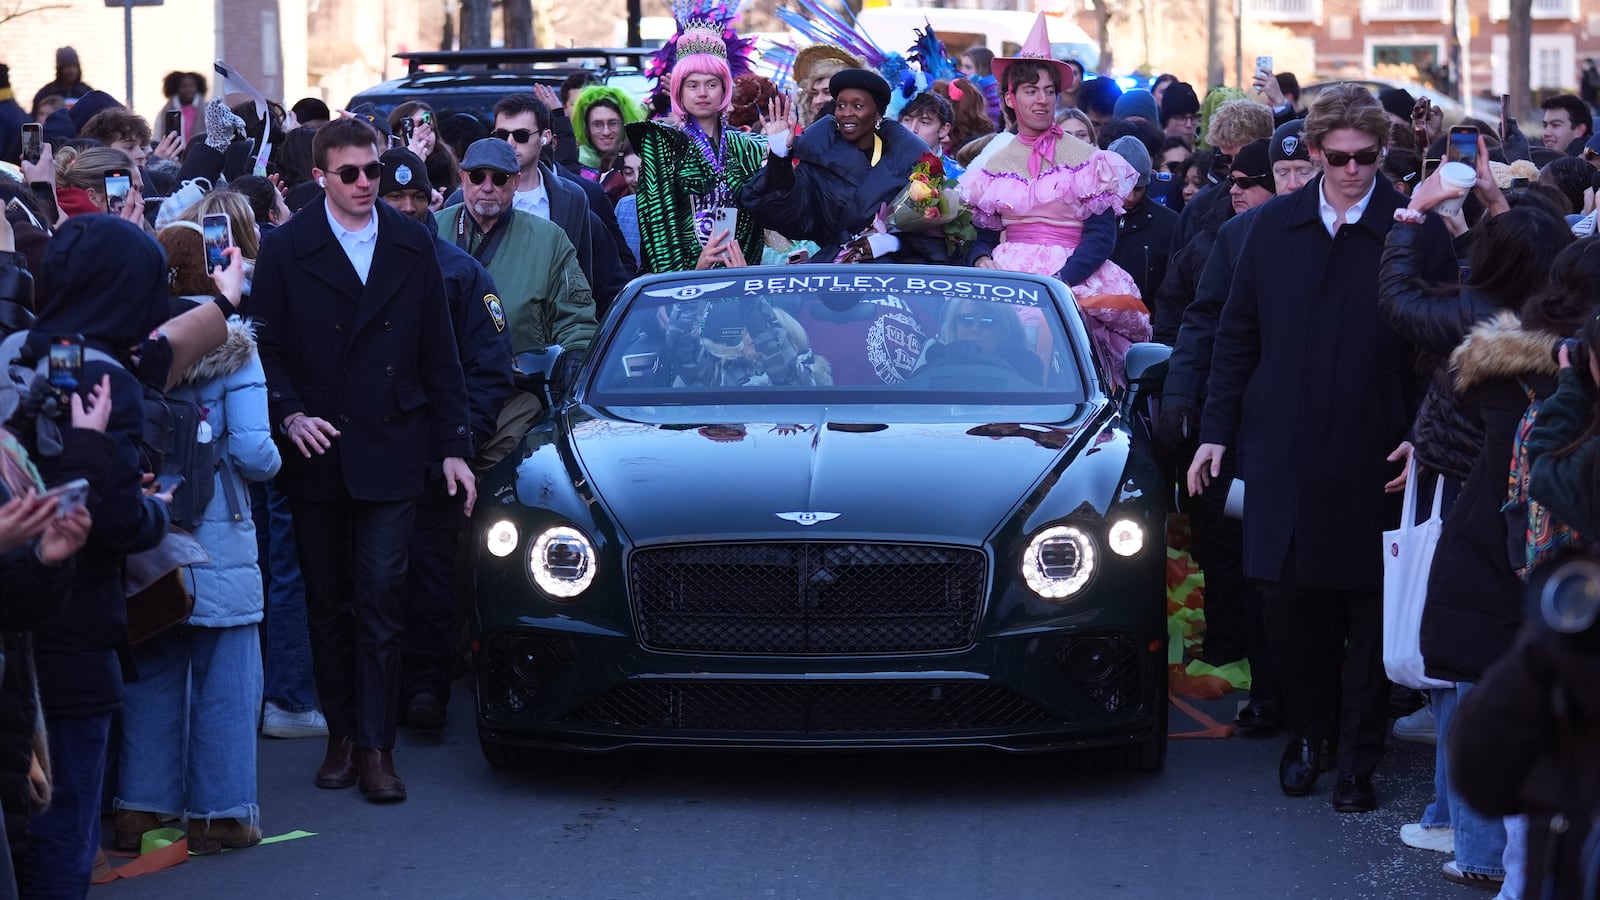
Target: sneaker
(1452,872)
(1418,728)
(280,723)
(1439,840)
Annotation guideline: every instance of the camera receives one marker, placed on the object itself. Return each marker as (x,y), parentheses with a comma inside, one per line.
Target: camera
(1577,354)
(1566,595)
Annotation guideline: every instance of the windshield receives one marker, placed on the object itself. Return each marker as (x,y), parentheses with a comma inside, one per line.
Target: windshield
(799,337)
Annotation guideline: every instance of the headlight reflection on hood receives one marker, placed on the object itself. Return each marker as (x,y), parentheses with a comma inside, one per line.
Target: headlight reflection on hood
(561,561)
(1059,561)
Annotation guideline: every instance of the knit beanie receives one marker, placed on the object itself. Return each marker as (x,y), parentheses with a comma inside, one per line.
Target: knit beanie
(1140,104)
(1133,150)
(1179,100)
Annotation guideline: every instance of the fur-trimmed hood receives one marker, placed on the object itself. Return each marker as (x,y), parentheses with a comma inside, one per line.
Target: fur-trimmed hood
(232,356)
(1502,348)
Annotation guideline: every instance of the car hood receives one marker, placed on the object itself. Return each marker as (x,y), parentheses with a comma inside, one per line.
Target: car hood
(946,482)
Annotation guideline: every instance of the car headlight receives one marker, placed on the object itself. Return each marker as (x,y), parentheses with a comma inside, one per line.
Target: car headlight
(1126,537)
(501,538)
(1059,561)
(562,562)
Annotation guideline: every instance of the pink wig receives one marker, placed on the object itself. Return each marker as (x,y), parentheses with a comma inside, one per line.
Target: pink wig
(701,64)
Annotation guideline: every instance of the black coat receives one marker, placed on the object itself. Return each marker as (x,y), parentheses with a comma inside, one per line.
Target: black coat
(1314,391)
(834,191)
(1525,741)
(1446,437)
(377,361)
(1475,602)
(1144,243)
(1190,365)
(1192,237)
(482,342)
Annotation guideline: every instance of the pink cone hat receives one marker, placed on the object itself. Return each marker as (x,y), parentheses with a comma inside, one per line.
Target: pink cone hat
(1036,49)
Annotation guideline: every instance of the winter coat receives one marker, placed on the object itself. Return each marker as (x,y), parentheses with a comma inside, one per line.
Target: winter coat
(109,284)
(1525,741)
(1474,604)
(1446,438)
(482,339)
(1197,228)
(1314,391)
(830,192)
(1567,485)
(1190,364)
(376,359)
(1144,243)
(230,388)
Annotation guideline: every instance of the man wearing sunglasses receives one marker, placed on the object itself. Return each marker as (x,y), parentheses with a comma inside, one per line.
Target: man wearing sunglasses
(1314,391)
(366,399)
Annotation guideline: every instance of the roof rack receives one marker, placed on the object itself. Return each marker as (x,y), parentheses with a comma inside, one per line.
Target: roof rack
(453,60)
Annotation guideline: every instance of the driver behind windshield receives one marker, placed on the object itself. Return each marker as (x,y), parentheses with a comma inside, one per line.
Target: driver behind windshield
(744,342)
(974,332)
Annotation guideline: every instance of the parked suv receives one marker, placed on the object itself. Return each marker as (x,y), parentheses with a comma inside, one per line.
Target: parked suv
(471,81)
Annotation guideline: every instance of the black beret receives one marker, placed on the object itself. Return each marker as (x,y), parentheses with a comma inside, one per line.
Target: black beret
(862,80)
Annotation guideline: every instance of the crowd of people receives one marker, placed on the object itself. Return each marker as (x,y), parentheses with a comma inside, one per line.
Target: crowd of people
(1346,326)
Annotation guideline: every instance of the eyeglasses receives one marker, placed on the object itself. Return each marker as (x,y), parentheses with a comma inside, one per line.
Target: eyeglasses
(521,135)
(1339,159)
(1246,182)
(1175,166)
(499,178)
(349,174)
(1185,120)
(969,320)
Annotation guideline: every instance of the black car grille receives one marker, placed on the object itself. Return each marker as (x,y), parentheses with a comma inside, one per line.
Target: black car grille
(810,708)
(807,598)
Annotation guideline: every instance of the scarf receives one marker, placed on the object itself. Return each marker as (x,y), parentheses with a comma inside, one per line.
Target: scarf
(1043,145)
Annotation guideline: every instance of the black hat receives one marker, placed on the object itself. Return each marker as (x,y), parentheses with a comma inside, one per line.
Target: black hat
(371,115)
(1397,102)
(1252,159)
(310,109)
(403,171)
(862,80)
(1179,100)
(1288,142)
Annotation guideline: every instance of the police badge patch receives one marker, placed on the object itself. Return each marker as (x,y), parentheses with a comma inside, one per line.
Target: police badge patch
(497,312)
(402,175)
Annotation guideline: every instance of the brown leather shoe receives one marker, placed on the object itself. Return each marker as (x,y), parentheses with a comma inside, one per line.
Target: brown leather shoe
(129,825)
(379,781)
(338,767)
(207,838)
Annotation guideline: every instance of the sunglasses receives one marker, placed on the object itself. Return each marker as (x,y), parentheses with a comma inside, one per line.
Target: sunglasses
(1246,182)
(1590,154)
(499,178)
(970,320)
(349,174)
(521,135)
(1339,159)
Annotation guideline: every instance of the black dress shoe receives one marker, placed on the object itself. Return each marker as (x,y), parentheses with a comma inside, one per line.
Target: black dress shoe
(1354,794)
(1258,719)
(1300,766)
(425,712)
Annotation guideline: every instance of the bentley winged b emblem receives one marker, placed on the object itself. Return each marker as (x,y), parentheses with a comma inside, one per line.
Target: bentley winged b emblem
(807,518)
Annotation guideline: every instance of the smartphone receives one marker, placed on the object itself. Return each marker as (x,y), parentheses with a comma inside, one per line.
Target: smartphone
(799,256)
(32,141)
(725,220)
(66,362)
(174,123)
(167,484)
(408,128)
(1505,115)
(73,495)
(1264,64)
(395,143)
(1463,145)
(218,237)
(117,185)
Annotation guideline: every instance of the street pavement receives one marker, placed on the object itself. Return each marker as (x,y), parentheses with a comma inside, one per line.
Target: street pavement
(899,825)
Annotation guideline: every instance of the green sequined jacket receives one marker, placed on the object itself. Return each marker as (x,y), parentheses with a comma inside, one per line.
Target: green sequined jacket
(672,173)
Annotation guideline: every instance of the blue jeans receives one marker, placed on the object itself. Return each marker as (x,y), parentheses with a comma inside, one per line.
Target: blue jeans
(1480,840)
(60,861)
(289,683)
(189,725)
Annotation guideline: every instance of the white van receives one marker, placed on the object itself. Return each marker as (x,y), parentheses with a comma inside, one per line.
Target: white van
(893,28)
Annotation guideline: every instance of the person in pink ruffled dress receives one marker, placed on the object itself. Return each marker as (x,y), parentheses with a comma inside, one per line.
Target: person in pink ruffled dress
(1055,198)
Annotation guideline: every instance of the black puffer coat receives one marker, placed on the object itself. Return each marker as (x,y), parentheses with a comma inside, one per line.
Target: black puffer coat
(1197,227)
(1445,437)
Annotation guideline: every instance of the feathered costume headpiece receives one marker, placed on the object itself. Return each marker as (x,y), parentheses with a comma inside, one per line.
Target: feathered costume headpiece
(832,22)
(704,26)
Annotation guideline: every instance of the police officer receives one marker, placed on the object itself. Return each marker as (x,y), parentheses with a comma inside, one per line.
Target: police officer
(485,351)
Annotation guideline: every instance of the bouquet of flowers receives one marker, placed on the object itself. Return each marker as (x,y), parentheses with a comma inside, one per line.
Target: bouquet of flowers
(930,202)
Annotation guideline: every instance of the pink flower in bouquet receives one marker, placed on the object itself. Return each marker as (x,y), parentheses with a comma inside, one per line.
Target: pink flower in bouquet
(931,213)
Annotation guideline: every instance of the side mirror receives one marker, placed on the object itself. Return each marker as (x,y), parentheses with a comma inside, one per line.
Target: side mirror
(1146,365)
(539,371)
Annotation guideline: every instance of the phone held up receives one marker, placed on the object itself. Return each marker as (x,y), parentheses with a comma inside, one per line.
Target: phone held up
(174,123)
(32,141)
(118,184)
(1264,65)
(1463,147)
(69,497)
(66,362)
(218,237)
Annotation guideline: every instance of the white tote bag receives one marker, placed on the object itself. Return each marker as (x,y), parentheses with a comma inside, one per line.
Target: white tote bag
(1407,556)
